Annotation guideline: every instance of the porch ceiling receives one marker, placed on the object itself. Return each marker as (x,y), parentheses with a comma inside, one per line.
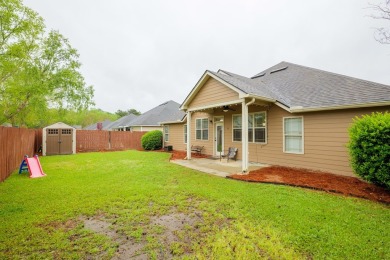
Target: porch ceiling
(229,103)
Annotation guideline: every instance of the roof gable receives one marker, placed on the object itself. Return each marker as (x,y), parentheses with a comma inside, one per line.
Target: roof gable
(202,81)
(213,92)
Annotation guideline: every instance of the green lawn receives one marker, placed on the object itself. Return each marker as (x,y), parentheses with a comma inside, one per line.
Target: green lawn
(227,219)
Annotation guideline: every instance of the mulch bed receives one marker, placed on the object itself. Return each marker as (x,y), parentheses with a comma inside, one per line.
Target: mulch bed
(348,186)
(181,155)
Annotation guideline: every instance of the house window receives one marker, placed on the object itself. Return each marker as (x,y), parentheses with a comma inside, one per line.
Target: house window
(293,135)
(185,134)
(257,132)
(166,133)
(202,129)
(237,126)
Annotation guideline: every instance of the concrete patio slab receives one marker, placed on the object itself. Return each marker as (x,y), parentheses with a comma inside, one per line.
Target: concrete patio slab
(216,167)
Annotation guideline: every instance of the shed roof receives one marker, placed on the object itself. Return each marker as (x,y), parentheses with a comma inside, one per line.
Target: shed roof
(58,125)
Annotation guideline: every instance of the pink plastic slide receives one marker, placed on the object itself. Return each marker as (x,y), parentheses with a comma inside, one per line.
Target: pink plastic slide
(34,167)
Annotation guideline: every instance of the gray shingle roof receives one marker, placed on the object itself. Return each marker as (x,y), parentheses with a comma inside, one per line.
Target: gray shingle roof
(245,84)
(105,123)
(168,111)
(122,122)
(298,86)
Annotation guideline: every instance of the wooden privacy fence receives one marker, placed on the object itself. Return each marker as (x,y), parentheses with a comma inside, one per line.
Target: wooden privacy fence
(92,140)
(14,144)
(17,142)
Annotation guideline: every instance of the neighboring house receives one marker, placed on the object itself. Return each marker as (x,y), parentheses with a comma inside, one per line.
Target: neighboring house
(118,125)
(151,120)
(294,116)
(148,121)
(95,126)
(122,124)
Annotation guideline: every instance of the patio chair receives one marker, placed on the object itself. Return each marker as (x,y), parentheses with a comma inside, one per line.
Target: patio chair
(232,153)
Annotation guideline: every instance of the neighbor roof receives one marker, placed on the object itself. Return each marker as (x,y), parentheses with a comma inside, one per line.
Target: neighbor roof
(105,123)
(167,111)
(122,122)
(298,88)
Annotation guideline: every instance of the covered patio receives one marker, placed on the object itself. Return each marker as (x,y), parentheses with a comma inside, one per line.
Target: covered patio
(218,112)
(217,167)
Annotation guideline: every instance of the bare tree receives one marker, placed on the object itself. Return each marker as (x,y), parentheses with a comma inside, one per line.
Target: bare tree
(382,12)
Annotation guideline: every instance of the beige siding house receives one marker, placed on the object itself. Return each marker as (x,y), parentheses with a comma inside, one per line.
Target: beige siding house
(292,116)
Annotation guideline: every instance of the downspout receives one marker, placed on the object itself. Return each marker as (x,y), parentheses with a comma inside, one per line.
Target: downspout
(245,161)
(251,102)
(188,135)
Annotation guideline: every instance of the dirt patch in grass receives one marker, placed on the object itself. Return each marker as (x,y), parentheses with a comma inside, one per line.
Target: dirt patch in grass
(128,248)
(349,186)
(172,235)
(175,237)
(50,227)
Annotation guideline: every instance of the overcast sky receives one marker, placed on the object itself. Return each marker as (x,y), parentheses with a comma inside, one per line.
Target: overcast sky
(139,54)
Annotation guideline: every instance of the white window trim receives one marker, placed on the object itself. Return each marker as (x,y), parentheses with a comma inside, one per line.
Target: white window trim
(303,136)
(251,114)
(166,133)
(208,129)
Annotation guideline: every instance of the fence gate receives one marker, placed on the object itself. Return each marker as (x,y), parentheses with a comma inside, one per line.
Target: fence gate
(59,141)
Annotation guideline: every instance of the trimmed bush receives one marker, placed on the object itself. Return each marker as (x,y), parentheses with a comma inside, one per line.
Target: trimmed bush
(152,140)
(369,147)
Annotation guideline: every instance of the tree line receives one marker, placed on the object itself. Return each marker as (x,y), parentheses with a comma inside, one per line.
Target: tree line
(40,79)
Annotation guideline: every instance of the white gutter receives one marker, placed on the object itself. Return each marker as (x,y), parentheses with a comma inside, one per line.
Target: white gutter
(238,101)
(315,109)
(258,97)
(172,122)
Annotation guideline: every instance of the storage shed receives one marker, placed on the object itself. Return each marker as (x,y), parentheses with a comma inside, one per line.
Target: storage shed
(58,138)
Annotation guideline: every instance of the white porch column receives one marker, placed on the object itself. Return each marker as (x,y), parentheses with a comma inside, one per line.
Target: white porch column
(244,137)
(188,135)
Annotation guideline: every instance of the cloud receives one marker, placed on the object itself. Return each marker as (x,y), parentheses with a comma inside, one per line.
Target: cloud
(138,54)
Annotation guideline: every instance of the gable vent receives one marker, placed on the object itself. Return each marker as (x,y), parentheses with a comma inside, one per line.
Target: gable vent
(278,69)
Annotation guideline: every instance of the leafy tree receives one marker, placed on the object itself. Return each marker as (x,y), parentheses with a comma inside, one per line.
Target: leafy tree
(70,117)
(122,113)
(88,117)
(382,12)
(134,112)
(39,70)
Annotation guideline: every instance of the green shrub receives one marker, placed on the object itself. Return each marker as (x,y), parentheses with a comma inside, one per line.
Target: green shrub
(369,147)
(152,140)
